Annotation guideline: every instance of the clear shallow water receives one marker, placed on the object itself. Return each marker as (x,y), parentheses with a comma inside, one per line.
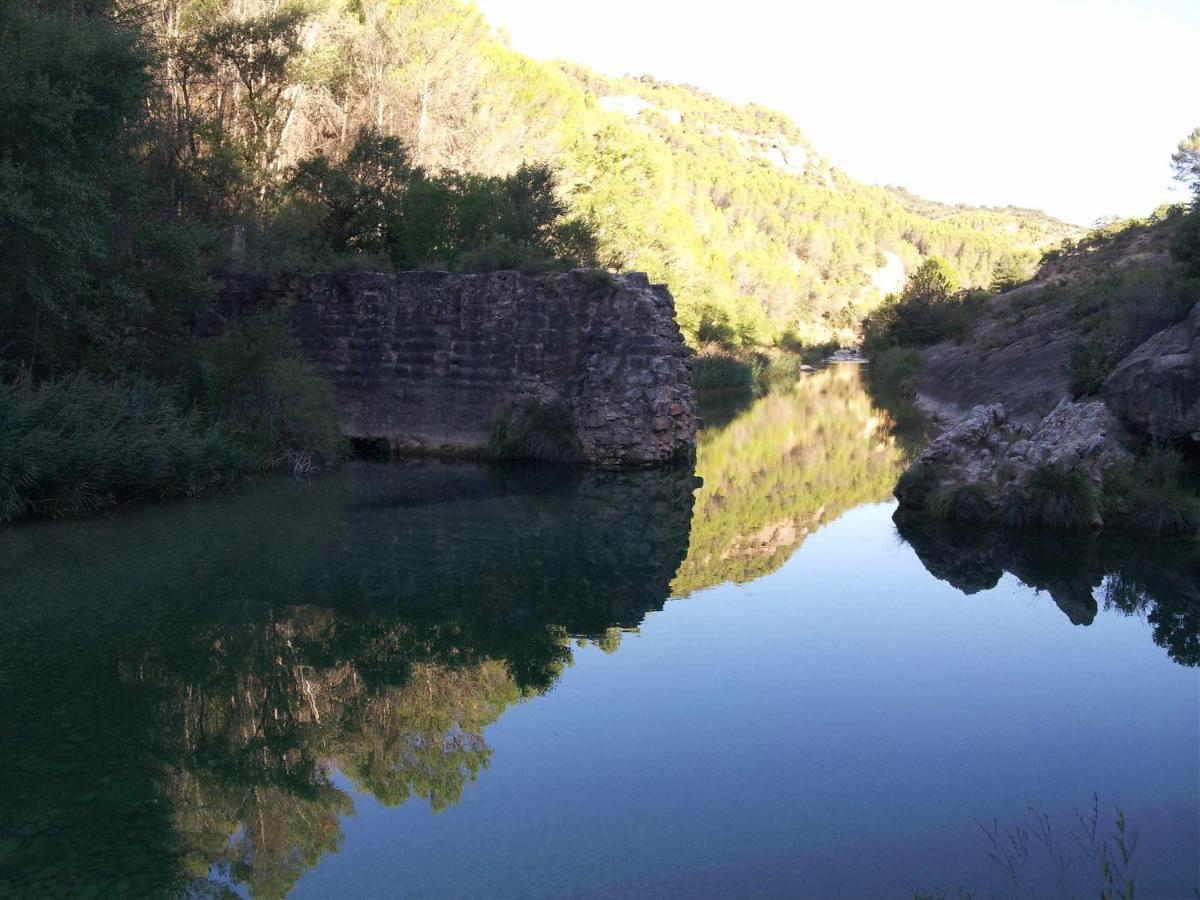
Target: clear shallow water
(435,680)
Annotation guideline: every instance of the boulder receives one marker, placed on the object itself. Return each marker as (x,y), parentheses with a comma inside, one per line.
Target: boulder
(1156,389)
(985,461)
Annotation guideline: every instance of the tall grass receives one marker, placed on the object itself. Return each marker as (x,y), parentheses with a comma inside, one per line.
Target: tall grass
(77,445)
(1056,497)
(1148,496)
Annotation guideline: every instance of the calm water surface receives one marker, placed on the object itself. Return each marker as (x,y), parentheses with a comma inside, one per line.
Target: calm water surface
(443,680)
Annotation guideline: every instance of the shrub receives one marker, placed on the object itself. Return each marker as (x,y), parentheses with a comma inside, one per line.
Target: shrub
(267,399)
(960,503)
(597,281)
(1088,367)
(1056,497)
(534,430)
(714,370)
(1186,246)
(1147,496)
(503,254)
(76,445)
(916,485)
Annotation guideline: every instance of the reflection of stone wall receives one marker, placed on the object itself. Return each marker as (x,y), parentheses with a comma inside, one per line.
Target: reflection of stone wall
(193,670)
(795,459)
(515,547)
(430,360)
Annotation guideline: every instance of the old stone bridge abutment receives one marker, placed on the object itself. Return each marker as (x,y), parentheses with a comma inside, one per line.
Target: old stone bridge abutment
(432,361)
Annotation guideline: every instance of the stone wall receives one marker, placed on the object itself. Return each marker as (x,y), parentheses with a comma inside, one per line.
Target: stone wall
(431,361)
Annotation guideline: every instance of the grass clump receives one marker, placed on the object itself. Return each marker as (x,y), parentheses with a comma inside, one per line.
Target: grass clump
(1148,496)
(535,430)
(715,370)
(597,282)
(959,503)
(1056,497)
(916,485)
(77,444)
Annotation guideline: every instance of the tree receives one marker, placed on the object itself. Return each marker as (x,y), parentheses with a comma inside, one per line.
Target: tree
(933,282)
(73,88)
(1186,162)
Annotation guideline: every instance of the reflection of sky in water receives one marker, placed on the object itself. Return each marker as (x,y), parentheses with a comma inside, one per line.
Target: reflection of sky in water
(279,687)
(834,728)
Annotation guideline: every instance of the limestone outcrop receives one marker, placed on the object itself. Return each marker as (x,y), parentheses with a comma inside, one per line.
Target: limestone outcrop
(982,467)
(1155,390)
(435,362)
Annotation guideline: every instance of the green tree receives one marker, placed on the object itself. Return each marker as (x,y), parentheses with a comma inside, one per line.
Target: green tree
(73,86)
(1186,161)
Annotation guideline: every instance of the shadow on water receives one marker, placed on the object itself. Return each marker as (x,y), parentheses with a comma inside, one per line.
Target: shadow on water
(1156,579)
(180,683)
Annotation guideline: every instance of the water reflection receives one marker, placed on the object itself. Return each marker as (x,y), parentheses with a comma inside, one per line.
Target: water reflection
(179,684)
(795,459)
(1157,580)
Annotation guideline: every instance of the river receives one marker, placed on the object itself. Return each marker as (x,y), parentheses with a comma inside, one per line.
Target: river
(445,680)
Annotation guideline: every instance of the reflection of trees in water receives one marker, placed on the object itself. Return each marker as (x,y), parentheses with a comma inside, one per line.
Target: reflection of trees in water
(1156,579)
(214,663)
(797,458)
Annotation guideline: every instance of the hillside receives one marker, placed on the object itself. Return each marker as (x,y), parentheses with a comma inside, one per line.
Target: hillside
(761,239)
(759,236)
(1060,333)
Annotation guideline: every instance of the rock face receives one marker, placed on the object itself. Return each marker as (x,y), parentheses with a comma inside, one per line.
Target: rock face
(432,361)
(1015,359)
(990,459)
(1156,389)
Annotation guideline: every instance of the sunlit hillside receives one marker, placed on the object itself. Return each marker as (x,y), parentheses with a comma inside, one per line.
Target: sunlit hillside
(760,237)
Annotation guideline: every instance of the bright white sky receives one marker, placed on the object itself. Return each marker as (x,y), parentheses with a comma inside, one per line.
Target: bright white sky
(1072,106)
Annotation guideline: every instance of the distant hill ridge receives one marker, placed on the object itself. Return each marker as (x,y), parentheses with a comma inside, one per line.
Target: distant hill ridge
(760,237)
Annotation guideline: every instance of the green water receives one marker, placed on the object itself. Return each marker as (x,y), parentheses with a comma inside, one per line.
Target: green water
(448,680)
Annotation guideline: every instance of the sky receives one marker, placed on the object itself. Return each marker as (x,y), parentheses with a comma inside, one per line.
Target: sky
(1071,106)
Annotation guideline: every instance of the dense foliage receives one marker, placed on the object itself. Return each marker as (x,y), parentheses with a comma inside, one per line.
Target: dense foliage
(929,309)
(146,144)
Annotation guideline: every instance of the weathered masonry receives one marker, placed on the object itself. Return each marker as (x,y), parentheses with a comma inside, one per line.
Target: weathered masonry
(432,361)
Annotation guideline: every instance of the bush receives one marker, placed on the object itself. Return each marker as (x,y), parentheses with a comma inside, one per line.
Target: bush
(76,445)
(917,485)
(268,400)
(1186,246)
(535,430)
(1088,367)
(714,370)
(960,503)
(1056,497)
(1148,496)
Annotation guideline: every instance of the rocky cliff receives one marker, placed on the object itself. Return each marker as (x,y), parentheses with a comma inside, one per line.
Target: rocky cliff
(1156,388)
(442,363)
(1056,395)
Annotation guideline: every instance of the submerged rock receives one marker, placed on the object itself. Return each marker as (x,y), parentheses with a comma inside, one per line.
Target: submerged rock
(1156,389)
